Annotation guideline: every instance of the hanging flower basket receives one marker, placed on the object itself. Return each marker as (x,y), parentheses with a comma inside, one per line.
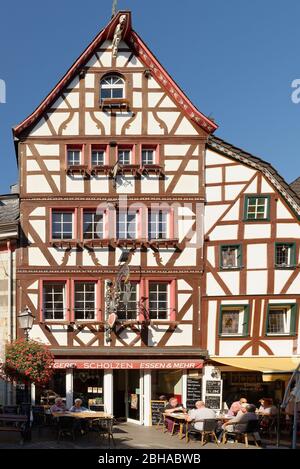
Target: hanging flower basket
(27,362)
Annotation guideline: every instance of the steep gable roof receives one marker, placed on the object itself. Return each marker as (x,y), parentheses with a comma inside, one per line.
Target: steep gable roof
(295,185)
(293,199)
(146,57)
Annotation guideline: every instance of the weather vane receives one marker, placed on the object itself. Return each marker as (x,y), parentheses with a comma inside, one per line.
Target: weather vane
(114,8)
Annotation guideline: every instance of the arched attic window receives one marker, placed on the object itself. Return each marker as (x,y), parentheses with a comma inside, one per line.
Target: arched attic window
(112,87)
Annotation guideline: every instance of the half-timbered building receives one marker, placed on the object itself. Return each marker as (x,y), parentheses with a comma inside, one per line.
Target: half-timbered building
(251,281)
(113,160)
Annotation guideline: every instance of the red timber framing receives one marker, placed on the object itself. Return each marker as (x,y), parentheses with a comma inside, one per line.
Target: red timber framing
(159,117)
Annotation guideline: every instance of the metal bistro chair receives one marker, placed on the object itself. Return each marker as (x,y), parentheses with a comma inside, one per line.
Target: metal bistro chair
(65,427)
(209,429)
(251,428)
(105,428)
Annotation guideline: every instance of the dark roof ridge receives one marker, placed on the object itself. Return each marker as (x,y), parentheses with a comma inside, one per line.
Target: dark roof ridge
(267,169)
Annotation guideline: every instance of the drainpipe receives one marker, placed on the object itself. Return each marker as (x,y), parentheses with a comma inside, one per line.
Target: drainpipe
(9,312)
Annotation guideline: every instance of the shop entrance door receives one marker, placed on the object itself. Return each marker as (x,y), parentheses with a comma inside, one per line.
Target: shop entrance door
(128,395)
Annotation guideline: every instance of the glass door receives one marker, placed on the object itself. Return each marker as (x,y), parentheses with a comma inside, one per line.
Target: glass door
(134,396)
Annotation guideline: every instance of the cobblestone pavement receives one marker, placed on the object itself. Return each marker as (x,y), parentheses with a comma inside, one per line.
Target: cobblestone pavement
(126,435)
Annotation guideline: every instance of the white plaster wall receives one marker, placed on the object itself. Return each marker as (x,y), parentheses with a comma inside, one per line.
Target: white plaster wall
(257,256)
(183,335)
(233,213)
(232,281)
(37,184)
(212,214)
(238,173)
(230,348)
(257,230)
(40,227)
(187,185)
(225,232)
(213,288)
(257,282)
(150,184)
(233,190)
(75,184)
(213,175)
(290,230)
(211,255)
(213,194)
(282,211)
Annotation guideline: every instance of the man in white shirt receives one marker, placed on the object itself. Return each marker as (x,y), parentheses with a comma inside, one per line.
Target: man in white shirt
(199,414)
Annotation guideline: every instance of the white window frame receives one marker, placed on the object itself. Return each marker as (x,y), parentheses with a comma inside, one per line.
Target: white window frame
(84,282)
(125,213)
(98,150)
(153,156)
(157,301)
(63,284)
(256,205)
(157,222)
(62,212)
(112,82)
(94,213)
(123,150)
(137,303)
(73,151)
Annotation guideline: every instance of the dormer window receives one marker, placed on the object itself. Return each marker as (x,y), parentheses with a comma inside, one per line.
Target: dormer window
(112,87)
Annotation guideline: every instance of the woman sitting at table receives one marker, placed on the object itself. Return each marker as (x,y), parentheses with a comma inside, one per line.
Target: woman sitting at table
(77,407)
(59,406)
(170,409)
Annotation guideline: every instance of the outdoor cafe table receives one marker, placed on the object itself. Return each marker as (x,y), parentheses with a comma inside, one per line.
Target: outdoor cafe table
(181,417)
(83,415)
(15,422)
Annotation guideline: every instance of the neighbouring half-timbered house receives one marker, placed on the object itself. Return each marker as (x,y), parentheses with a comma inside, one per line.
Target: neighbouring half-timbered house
(113,160)
(251,282)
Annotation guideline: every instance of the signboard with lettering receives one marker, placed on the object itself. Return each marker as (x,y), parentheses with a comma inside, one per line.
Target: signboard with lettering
(128,364)
(213,387)
(193,392)
(157,408)
(213,402)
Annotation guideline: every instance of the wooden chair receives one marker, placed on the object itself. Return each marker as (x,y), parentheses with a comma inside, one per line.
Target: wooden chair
(65,426)
(161,423)
(251,428)
(209,429)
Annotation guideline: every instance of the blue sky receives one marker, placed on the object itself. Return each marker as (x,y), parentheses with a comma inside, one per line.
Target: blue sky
(235,59)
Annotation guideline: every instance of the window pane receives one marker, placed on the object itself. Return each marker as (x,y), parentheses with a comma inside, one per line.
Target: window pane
(53,301)
(128,311)
(157,224)
(147,157)
(62,225)
(277,321)
(93,226)
(97,157)
(158,300)
(283,255)
(230,257)
(85,300)
(74,157)
(233,321)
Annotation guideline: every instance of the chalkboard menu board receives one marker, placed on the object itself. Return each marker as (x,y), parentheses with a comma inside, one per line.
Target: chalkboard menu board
(213,387)
(157,408)
(213,402)
(194,392)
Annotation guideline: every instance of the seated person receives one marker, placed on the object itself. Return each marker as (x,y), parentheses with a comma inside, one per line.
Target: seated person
(239,423)
(171,407)
(59,406)
(237,406)
(199,414)
(77,407)
(267,407)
